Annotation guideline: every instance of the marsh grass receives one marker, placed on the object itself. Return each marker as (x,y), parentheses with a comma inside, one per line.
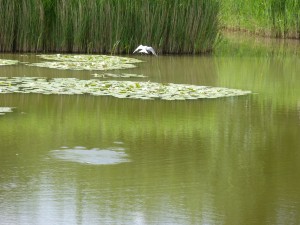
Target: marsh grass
(108,26)
(276,18)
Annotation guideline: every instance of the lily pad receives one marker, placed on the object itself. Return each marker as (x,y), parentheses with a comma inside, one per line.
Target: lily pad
(6,62)
(88,58)
(122,75)
(119,89)
(86,62)
(4,110)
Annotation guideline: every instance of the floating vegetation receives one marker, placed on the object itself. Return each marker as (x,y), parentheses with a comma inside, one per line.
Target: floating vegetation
(88,58)
(119,89)
(86,62)
(93,156)
(4,110)
(122,75)
(6,62)
(83,65)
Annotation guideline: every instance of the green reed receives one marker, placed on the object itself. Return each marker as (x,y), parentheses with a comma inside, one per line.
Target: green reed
(277,18)
(108,26)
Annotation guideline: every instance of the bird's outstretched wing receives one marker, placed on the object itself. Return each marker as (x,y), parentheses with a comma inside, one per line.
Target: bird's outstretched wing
(150,49)
(143,50)
(138,48)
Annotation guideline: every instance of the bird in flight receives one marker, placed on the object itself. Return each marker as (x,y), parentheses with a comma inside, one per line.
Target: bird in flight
(145,49)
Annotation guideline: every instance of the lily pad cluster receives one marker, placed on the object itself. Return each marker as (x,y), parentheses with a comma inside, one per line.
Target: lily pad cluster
(6,62)
(4,110)
(122,75)
(119,89)
(86,62)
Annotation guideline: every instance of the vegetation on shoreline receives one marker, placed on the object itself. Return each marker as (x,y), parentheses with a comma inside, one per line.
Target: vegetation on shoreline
(274,18)
(118,26)
(108,26)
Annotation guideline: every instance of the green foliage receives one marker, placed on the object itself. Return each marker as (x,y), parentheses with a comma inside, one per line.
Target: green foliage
(277,18)
(118,89)
(108,26)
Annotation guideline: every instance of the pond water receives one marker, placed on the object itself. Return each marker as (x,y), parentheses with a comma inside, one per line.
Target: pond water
(82,159)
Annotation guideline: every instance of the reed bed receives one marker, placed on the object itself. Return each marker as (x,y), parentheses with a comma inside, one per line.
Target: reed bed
(108,26)
(276,18)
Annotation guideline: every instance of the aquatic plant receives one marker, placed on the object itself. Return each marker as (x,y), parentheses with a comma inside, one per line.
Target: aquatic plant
(119,89)
(5,62)
(108,26)
(122,75)
(89,58)
(4,110)
(83,65)
(86,62)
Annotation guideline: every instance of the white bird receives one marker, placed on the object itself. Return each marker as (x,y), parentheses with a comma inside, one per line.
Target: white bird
(145,49)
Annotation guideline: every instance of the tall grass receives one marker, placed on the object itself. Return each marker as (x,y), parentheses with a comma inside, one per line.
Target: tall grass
(108,26)
(277,18)
(20,25)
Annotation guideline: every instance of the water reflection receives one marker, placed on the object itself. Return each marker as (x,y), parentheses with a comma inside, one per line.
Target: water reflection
(189,165)
(274,79)
(94,156)
(217,161)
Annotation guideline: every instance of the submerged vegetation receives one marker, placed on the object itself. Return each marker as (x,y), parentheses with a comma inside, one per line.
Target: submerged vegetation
(276,18)
(119,89)
(108,26)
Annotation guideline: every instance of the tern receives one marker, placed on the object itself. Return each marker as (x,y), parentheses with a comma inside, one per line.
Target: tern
(145,49)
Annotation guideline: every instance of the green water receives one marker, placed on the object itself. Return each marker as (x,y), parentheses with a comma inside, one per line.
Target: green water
(215,161)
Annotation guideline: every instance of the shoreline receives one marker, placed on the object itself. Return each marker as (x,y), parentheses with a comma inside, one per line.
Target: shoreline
(258,33)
